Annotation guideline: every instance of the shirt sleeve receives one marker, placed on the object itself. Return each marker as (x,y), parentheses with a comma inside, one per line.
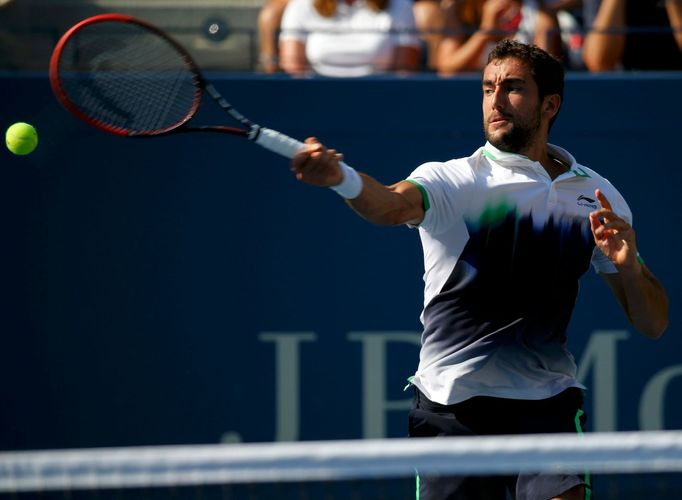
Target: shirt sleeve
(293,25)
(446,188)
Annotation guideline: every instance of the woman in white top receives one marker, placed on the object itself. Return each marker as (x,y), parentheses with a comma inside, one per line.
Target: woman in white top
(348,38)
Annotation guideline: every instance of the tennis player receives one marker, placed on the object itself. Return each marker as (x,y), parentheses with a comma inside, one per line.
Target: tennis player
(506,233)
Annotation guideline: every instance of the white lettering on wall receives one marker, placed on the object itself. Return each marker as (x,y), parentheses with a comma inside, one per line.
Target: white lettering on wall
(652,404)
(599,358)
(374,402)
(288,380)
(597,369)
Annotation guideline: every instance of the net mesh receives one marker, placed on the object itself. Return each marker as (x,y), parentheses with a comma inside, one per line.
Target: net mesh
(635,465)
(127,78)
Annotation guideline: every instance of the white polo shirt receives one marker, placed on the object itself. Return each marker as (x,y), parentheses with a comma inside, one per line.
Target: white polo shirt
(504,247)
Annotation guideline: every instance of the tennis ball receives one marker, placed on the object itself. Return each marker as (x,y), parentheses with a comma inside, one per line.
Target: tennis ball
(21,138)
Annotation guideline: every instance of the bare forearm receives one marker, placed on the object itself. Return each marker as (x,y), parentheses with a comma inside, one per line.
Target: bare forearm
(387,205)
(547,35)
(674,8)
(602,50)
(454,57)
(292,56)
(638,291)
(269,21)
(646,301)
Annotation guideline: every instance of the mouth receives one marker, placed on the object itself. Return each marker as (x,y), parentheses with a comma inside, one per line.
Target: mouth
(498,119)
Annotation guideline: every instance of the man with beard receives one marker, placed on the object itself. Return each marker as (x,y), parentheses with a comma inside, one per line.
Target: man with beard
(506,233)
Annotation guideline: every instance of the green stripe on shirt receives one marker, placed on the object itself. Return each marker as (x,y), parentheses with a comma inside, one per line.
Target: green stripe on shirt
(425,196)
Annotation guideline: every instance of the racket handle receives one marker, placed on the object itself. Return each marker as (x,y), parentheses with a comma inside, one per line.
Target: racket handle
(278,142)
(350,186)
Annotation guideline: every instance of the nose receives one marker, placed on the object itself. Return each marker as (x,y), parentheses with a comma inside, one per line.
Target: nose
(496,99)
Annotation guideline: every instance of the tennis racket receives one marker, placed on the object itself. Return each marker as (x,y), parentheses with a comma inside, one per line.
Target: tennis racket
(127,77)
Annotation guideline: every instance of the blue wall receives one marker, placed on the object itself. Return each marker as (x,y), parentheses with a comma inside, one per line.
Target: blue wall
(149,287)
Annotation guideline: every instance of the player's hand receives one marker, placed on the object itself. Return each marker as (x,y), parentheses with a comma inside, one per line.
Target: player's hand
(317,165)
(613,235)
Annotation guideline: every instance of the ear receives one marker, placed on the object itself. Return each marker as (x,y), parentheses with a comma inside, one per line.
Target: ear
(550,105)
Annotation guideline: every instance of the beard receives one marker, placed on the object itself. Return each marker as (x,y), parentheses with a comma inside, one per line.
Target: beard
(518,137)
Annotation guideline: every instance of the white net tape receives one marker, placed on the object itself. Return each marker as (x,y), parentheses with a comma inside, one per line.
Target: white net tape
(338,460)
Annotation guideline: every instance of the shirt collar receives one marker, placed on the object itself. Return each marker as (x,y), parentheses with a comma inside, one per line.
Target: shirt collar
(505,158)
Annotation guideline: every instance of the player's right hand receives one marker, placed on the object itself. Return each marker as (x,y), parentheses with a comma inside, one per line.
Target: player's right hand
(316,165)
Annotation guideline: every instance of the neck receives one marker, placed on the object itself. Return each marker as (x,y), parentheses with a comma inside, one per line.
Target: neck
(553,165)
(537,151)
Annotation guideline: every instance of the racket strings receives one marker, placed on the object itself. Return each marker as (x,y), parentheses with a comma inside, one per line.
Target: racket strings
(128,78)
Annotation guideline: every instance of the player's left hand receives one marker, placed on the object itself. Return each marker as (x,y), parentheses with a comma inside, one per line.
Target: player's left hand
(613,235)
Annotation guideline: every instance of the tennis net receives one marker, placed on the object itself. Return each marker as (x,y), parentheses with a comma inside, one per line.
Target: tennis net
(635,465)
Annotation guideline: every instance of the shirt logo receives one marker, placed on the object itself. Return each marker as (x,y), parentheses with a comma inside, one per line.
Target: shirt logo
(585,201)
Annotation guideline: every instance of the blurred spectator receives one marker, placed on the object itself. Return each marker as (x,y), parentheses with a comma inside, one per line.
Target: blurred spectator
(428,16)
(474,26)
(569,14)
(431,24)
(269,22)
(633,35)
(348,38)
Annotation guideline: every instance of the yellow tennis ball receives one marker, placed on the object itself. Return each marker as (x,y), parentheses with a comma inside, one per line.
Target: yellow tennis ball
(21,138)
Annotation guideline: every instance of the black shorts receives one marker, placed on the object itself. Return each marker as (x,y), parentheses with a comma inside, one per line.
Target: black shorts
(484,416)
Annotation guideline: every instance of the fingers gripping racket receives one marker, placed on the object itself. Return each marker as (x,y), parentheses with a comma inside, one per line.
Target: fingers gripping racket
(127,77)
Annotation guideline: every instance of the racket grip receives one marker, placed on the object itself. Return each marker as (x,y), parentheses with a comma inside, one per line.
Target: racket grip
(278,142)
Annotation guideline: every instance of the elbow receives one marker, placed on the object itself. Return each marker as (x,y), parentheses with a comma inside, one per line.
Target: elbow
(653,327)
(448,60)
(448,64)
(390,219)
(660,324)
(597,63)
(602,53)
(655,330)
(295,68)
(646,306)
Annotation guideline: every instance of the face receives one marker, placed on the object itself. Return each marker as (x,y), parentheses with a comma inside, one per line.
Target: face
(512,111)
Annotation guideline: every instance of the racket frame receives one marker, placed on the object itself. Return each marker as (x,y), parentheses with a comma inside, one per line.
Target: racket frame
(201,85)
(265,137)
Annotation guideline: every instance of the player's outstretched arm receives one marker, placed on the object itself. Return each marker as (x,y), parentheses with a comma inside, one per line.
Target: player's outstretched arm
(639,292)
(399,203)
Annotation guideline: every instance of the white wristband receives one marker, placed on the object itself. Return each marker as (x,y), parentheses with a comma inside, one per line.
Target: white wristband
(351,185)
